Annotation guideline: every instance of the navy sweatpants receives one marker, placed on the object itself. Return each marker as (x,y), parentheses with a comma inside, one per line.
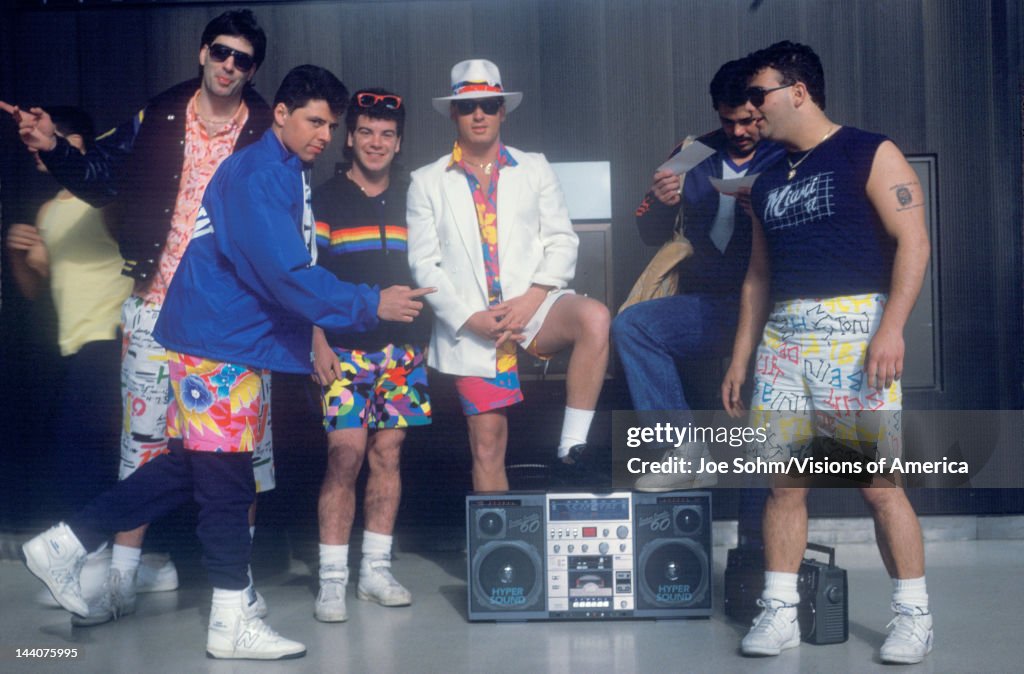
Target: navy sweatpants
(221,483)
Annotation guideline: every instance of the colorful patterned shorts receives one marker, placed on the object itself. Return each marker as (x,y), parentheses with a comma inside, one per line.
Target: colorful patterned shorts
(218,406)
(809,380)
(146,393)
(378,389)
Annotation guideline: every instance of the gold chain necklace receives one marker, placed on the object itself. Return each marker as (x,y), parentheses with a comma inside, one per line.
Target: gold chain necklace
(485,167)
(793,167)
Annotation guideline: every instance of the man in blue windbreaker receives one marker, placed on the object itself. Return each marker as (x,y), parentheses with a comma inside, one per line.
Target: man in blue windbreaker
(242,302)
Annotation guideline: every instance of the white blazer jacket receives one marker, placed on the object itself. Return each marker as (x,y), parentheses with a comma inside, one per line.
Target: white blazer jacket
(536,244)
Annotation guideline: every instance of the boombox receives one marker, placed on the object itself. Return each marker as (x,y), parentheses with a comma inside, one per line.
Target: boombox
(536,556)
(824,610)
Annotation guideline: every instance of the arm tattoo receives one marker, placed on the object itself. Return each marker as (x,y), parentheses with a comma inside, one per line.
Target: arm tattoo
(905,196)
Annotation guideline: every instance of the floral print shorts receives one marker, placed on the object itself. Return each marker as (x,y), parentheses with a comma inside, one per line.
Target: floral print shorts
(218,406)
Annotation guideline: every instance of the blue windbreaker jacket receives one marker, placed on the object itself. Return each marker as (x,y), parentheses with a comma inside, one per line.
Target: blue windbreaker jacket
(246,290)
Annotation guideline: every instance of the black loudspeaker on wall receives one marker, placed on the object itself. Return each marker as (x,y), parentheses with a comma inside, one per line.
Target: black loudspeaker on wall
(536,556)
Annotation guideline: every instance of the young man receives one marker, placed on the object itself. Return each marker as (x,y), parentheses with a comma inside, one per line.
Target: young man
(489,228)
(157,165)
(242,303)
(699,321)
(375,382)
(840,247)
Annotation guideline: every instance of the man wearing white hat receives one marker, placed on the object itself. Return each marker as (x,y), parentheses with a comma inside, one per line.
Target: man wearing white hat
(488,227)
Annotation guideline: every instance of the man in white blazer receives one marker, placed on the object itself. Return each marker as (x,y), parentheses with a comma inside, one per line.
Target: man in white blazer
(488,227)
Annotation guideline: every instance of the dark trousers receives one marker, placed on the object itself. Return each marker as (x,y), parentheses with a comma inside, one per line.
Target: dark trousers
(222,485)
(89,422)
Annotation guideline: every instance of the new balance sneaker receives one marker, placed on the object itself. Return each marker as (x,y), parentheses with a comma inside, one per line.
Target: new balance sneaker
(691,452)
(910,637)
(377,584)
(775,629)
(116,601)
(92,579)
(157,573)
(56,557)
(330,600)
(236,632)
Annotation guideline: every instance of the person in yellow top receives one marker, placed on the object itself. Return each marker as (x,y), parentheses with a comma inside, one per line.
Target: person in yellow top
(70,249)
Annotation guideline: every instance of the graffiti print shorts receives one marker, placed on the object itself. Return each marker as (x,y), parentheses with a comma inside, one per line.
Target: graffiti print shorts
(810,384)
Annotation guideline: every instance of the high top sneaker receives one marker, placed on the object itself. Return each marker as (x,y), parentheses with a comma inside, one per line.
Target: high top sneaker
(157,573)
(115,601)
(56,557)
(92,580)
(330,601)
(911,636)
(377,584)
(235,631)
(775,629)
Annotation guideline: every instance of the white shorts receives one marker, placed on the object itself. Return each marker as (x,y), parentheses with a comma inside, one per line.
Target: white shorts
(809,379)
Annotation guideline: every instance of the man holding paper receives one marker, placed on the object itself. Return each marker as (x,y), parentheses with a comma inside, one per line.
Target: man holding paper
(699,321)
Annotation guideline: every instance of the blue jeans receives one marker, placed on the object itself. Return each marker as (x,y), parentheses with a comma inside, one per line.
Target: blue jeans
(651,336)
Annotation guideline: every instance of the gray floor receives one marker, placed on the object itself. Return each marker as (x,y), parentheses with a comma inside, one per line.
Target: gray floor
(975,589)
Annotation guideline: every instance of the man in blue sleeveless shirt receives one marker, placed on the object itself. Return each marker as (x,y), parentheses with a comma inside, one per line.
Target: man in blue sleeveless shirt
(838,257)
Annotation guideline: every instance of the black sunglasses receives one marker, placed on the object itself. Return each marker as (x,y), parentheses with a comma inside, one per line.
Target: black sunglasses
(220,53)
(490,106)
(756,94)
(365,99)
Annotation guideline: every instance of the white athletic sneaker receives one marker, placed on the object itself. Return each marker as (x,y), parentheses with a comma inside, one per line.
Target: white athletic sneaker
(910,638)
(91,580)
(330,600)
(377,584)
(236,632)
(116,601)
(775,629)
(56,557)
(691,452)
(157,573)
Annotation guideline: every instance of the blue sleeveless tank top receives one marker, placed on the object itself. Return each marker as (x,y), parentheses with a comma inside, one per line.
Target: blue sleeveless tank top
(824,237)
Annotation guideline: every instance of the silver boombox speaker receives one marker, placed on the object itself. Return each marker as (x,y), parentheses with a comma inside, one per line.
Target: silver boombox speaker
(582,556)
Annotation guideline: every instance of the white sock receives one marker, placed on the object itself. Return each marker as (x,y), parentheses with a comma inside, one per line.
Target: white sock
(125,559)
(781,586)
(335,556)
(232,598)
(575,427)
(910,591)
(252,533)
(376,546)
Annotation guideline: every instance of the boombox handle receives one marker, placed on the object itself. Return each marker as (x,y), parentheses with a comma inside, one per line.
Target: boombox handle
(818,547)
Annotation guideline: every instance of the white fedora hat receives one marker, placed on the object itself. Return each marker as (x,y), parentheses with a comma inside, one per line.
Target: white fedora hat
(477,78)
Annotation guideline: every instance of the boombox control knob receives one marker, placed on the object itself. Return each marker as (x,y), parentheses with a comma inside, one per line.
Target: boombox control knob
(603,548)
(622,547)
(604,533)
(584,547)
(558,548)
(622,531)
(571,548)
(833,594)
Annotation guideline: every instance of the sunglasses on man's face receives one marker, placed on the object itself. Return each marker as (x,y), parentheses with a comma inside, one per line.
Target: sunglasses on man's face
(220,53)
(365,99)
(756,94)
(468,106)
